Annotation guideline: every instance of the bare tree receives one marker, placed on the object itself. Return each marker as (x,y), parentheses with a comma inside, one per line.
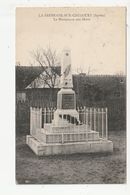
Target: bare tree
(90,70)
(48,60)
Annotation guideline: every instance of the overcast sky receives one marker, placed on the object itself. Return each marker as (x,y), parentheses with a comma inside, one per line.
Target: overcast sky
(96,36)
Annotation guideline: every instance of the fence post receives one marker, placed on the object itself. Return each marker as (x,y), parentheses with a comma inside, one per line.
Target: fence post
(39,117)
(90,118)
(35,117)
(98,124)
(30,120)
(102,110)
(106,125)
(44,115)
(40,122)
(37,126)
(74,123)
(51,115)
(79,113)
(70,122)
(94,119)
(48,112)
(86,116)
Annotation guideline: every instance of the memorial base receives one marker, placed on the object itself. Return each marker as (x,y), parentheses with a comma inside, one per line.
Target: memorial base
(41,149)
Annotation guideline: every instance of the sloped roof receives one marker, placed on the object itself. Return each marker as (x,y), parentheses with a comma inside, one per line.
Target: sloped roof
(41,82)
(26,74)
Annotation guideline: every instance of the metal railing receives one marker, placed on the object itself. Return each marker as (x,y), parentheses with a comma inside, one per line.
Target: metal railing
(95,118)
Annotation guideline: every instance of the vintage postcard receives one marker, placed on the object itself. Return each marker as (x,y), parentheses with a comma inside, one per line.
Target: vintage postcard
(71,95)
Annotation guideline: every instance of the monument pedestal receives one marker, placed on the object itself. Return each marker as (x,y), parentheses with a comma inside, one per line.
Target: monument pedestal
(43,149)
(64,139)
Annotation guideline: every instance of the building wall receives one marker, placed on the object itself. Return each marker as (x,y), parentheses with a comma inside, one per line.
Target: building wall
(20,96)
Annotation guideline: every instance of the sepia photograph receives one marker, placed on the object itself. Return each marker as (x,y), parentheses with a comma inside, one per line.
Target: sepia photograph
(70,95)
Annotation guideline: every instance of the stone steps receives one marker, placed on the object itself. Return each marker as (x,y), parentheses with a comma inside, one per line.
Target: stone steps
(68,148)
(58,137)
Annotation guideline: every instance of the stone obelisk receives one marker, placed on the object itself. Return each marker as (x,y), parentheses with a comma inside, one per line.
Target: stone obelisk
(66,98)
(66,73)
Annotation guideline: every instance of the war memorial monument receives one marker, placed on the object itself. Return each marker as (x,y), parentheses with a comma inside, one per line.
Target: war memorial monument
(66,134)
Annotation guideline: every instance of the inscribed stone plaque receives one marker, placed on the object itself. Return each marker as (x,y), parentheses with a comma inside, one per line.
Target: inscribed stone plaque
(68,101)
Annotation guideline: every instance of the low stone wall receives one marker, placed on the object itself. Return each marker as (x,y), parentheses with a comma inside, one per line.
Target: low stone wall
(68,148)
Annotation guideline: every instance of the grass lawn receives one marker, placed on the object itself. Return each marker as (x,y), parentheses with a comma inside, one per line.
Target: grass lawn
(72,169)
